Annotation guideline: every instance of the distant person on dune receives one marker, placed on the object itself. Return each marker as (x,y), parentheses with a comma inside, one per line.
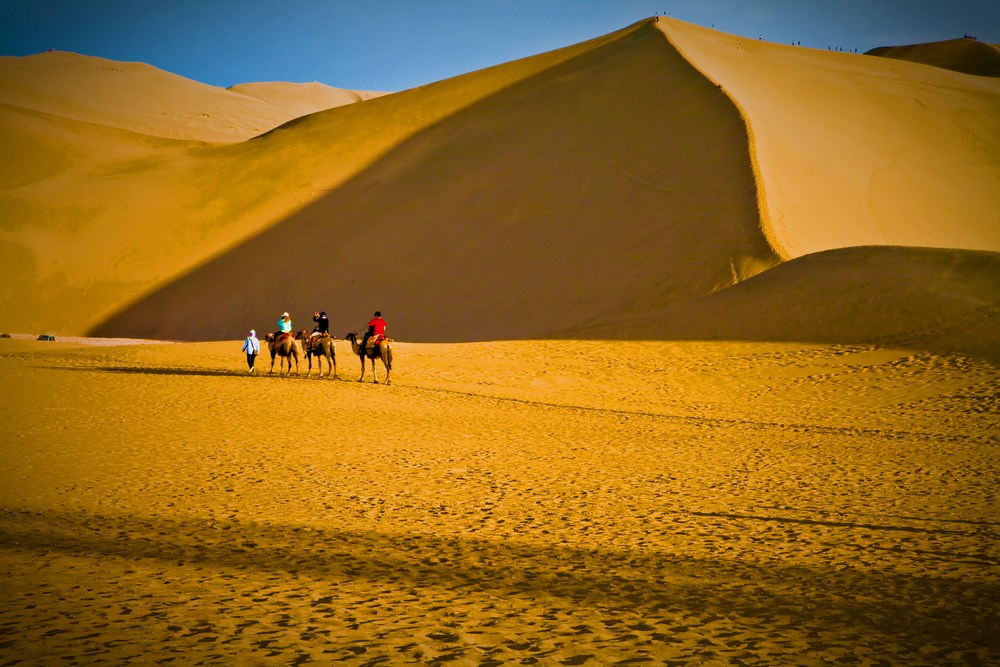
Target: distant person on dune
(376,330)
(252,347)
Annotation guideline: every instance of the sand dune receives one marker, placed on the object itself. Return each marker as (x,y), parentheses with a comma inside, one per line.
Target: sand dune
(141,98)
(854,150)
(542,204)
(608,183)
(962,55)
(301,99)
(934,299)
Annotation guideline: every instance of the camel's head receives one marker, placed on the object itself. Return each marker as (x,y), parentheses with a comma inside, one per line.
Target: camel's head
(269,338)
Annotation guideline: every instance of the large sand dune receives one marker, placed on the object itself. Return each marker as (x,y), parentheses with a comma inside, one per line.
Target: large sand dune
(587,189)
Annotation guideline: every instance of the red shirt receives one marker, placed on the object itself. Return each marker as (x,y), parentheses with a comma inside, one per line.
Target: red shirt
(377,326)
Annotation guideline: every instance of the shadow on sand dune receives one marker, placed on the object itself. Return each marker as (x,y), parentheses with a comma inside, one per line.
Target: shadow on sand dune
(893,609)
(620,175)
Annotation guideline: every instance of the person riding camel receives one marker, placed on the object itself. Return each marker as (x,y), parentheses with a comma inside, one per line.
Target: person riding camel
(284,326)
(322,324)
(376,331)
(321,329)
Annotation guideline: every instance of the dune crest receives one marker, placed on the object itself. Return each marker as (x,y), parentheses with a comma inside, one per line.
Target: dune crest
(857,151)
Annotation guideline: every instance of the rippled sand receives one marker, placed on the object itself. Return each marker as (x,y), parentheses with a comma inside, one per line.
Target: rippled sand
(517,502)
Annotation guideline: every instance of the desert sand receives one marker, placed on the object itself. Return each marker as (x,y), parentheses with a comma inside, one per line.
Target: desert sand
(697,361)
(528,502)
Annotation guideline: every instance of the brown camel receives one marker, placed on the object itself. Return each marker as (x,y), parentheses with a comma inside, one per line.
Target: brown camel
(321,347)
(285,347)
(381,351)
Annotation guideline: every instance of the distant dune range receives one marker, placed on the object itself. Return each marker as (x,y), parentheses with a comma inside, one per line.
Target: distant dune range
(662,181)
(962,55)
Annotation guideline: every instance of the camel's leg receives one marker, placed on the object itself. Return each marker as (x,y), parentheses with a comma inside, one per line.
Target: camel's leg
(333,362)
(374,374)
(361,379)
(272,364)
(319,365)
(388,369)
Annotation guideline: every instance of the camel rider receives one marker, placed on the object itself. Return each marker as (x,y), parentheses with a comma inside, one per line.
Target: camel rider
(322,324)
(284,326)
(376,331)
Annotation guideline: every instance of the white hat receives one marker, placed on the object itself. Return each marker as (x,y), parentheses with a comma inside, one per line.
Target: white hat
(253,333)
(284,314)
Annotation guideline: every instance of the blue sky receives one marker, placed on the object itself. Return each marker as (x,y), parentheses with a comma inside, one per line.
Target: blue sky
(392,45)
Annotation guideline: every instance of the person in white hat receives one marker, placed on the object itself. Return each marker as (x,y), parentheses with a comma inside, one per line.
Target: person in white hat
(252,347)
(284,325)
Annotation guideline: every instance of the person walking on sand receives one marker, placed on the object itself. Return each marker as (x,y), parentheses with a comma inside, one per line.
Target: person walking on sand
(252,347)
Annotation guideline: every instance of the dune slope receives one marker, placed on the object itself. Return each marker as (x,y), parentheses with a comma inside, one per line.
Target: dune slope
(928,298)
(854,150)
(92,217)
(144,99)
(301,99)
(610,181)
(962,55)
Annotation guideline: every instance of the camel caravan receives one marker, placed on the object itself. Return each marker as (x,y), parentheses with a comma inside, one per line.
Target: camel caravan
(286,347)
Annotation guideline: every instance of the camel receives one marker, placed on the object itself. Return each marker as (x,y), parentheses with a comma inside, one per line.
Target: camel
(321,347)
(285,347)
(381,351)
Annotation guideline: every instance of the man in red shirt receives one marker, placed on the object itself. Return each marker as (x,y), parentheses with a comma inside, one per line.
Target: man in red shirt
(376,330)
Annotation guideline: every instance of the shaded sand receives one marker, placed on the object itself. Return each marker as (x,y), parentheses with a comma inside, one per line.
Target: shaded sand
(926,298)
(962,55)
(512,502)
(568,193)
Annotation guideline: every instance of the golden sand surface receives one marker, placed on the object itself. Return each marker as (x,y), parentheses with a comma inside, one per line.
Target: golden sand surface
(530,502)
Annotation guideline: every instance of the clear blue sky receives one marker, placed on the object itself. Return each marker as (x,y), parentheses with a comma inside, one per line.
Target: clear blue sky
(392,45)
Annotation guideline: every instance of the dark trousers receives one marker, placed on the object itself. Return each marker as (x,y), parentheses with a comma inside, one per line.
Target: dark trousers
(250,357)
